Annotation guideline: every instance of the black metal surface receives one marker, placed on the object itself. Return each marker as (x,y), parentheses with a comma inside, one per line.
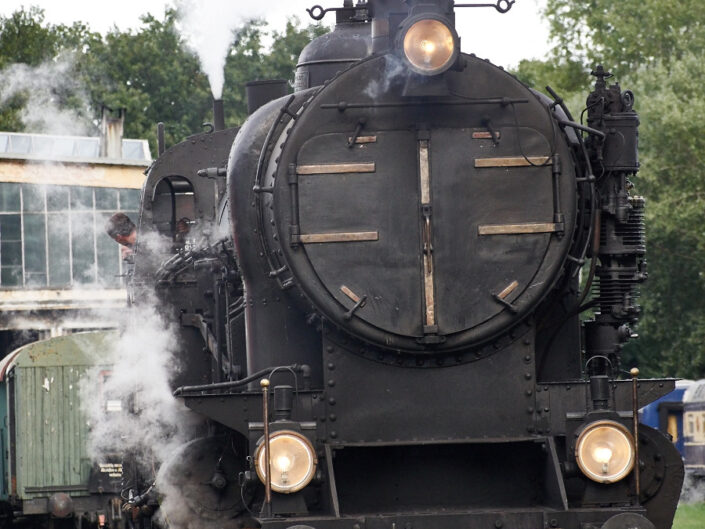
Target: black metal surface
(266,302)
(333,52)
(463,198)
(218,115)
(204,473)
(260,93)
(239,410)
(629,521)
(621,248)
(193,198)
(394,398)
(661,477)
(485,519)
(424,478)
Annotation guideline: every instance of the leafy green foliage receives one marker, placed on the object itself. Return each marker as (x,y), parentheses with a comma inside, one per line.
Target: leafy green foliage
(627,35)
(249,61)
(153,76)
(563,76)
(672,134)
(24,38)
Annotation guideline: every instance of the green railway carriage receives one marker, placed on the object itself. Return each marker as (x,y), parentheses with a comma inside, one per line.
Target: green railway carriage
(47,472)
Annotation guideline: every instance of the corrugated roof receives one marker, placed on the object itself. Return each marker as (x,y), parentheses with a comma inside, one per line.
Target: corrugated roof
(68,148)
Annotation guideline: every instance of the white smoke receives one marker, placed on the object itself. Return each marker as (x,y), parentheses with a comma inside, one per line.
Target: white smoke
(693,490)
(394,70)
(152,423)
(209,28)
(43,85)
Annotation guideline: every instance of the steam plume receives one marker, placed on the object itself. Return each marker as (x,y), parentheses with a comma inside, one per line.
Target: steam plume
(43,86)
(142,366)
(152,424)
(209,26)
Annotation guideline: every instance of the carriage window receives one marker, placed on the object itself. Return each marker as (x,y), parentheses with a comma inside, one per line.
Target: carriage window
(694,424)
(673,427)
(173,206)
(689,425)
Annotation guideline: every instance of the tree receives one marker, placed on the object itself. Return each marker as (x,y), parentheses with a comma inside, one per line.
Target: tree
(151,74)
(626,35)
(672,133)
(250,61)
(26,40)
(566,77)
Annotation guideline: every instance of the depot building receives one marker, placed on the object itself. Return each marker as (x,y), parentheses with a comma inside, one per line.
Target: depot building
(59,271)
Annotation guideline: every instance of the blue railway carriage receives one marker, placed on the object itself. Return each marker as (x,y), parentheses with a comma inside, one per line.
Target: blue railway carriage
(666,414)
(46,473)
(694,429)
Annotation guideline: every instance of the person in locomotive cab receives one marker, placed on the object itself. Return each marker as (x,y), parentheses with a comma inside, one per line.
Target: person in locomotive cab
(122,230)
(183,228)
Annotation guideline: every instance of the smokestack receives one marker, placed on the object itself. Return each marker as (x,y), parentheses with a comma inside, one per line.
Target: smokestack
(218,114)
(111,131)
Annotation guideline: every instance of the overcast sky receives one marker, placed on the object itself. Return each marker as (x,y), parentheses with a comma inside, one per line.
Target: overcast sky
(504,39)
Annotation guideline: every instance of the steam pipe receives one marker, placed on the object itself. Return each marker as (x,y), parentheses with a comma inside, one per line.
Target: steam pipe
(219,322)
(301,368)
(218,114)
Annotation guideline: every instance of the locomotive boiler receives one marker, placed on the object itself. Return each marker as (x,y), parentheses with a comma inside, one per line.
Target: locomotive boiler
(383,327)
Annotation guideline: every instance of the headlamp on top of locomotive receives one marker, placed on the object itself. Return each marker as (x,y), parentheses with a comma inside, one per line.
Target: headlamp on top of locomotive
(429,44)
(427,40)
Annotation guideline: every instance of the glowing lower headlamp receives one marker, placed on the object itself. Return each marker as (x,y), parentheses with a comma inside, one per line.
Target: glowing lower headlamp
(605,451)
(430,46)
(291,459)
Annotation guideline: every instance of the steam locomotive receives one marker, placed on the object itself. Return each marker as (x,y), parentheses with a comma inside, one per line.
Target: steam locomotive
(378,285)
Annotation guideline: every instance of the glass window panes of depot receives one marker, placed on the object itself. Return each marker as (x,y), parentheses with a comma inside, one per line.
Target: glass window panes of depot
(54,236)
